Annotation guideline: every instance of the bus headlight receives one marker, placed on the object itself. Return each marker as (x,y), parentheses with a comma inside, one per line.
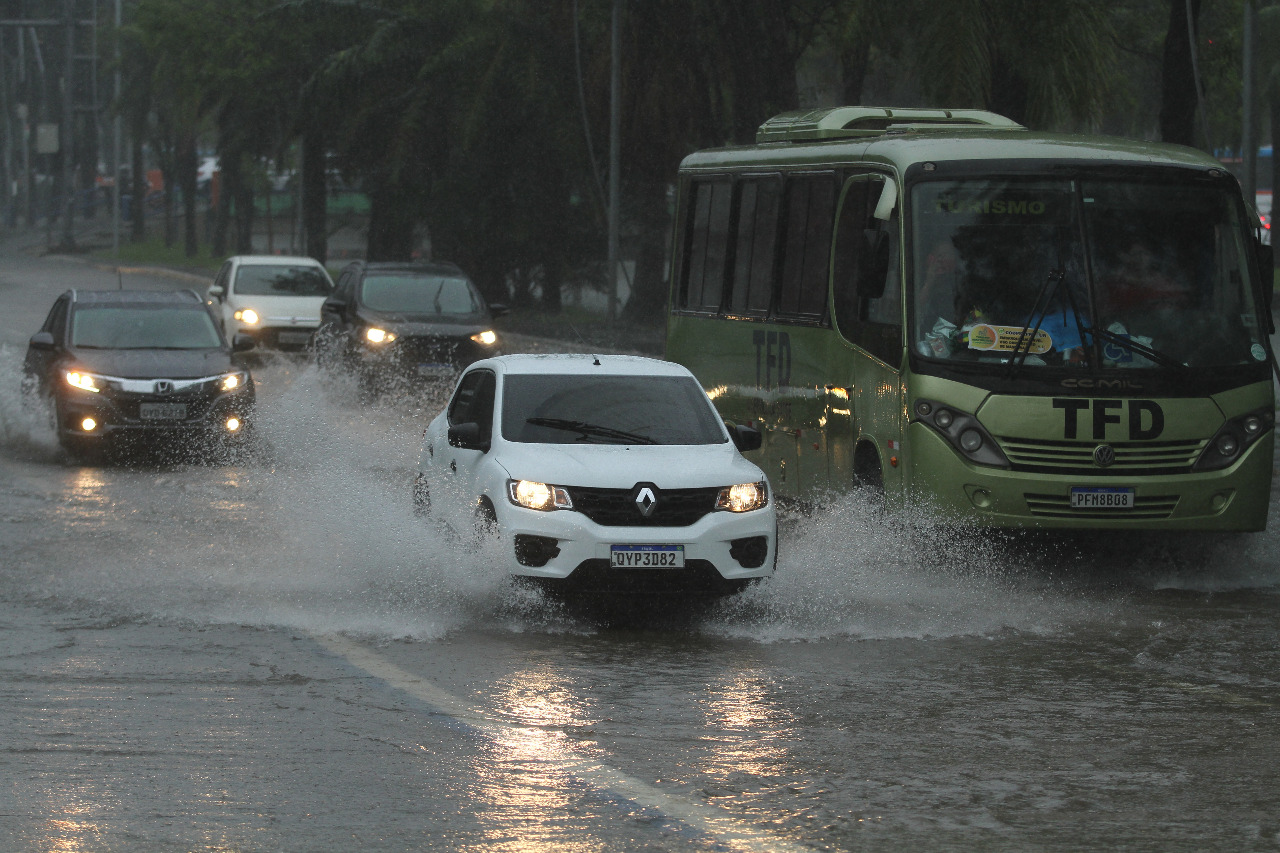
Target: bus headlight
(374,335)
(1233,438)
(247,316)
(488,338)
(963,431)
(743,497)
(539,496)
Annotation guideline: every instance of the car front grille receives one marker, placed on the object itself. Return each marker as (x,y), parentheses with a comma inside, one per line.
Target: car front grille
(618,507)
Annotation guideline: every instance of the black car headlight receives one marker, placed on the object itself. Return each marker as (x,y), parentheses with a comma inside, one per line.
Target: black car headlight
(233,381)
(540,496)
(377,336)
(962,431)
(86,381)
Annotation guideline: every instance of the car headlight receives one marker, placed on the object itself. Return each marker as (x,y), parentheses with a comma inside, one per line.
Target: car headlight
(84,381)
(232,381)
(487,337)
(247,316)
(541,496)
(743,497)
(374,335)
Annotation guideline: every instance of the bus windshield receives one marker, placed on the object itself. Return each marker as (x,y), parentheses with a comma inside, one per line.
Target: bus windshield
(1081,273)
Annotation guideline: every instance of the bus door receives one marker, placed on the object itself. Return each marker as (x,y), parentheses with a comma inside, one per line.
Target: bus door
(865,394)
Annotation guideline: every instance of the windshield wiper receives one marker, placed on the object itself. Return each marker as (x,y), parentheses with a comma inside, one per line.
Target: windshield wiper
(1133,346)
(590,430)
(1039,310)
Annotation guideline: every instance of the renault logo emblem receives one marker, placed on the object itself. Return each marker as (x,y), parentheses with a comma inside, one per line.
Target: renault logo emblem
(646,500)
(164,386)
(1104,455)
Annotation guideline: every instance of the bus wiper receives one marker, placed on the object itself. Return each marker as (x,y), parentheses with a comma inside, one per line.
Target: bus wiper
(590,430)
(1133,346)
(1039,310)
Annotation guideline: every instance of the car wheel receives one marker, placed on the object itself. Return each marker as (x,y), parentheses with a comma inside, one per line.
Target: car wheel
(486,521)
(421,496)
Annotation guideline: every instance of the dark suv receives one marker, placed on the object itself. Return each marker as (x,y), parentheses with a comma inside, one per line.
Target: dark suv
(138,363)
(417,321)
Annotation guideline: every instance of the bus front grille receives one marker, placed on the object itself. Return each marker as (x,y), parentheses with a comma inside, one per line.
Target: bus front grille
(1132,458)
(1059,506)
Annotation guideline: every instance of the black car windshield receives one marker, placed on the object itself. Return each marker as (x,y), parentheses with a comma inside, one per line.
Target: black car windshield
(282,280)
(573,408)
(416,293)
(139,327)
(1075,273)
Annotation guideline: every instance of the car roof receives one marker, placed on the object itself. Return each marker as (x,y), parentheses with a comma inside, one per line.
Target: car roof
(583,364)
(275,260)
(431,267)
(136,297)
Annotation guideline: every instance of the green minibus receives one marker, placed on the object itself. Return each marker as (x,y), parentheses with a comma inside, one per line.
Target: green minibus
(1009,328)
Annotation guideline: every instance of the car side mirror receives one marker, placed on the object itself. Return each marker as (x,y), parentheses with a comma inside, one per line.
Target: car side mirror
(242,342)
(333,305)
(41,340)
(745,438)
(467,436)
(497,309)
(216,292)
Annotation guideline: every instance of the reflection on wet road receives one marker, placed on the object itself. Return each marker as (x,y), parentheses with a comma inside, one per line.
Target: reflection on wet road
(275,654)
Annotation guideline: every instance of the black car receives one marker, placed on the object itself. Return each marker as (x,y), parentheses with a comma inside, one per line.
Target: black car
(151,365)
(414,321)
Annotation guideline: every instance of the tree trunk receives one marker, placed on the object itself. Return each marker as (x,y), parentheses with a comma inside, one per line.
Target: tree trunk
(188,164)
(648,301)
(1178,79)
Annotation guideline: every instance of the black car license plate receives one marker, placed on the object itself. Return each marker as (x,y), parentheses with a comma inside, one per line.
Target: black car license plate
(163,411)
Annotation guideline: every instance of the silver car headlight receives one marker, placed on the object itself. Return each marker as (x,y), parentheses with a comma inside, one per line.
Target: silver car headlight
(743,497)
(539,496)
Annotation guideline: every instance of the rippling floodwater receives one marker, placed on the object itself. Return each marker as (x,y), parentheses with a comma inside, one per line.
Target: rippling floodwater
(899,684)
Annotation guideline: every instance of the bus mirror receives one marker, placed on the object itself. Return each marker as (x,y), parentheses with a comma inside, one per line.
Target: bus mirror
(873,264)
(888,199)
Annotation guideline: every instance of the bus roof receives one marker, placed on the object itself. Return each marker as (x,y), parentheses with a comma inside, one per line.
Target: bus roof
(903,145)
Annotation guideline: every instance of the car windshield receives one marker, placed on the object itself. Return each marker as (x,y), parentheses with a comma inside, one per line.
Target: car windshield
(282,280)
(573,408)
(1082,273)
(417,293)
(139,327)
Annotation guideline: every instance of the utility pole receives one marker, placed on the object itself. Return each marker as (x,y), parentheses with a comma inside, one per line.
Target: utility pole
(1249,133)
(615,87)
(65,145)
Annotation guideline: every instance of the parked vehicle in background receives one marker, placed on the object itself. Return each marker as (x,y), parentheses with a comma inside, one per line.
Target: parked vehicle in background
(602,472)
(275,299)
(140,366)
(1005,327)
(407,322)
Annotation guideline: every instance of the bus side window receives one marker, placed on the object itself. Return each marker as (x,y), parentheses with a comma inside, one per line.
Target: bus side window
(708,245)
(810,208)
(866,292)
(755,246)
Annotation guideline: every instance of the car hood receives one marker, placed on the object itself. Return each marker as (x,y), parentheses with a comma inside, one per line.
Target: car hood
(427,325)
(613,466)
(152,364)
(273,308)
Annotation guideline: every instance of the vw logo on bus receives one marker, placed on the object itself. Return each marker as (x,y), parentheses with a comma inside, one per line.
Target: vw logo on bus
(1104,455)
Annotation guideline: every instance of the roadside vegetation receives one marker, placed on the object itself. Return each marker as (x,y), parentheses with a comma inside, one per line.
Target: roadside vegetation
(484,123)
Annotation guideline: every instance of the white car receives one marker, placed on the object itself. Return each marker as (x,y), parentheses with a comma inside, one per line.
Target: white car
(600,472)
(275,299)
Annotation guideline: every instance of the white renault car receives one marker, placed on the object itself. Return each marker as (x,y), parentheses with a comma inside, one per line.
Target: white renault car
(275,299)
(600,472)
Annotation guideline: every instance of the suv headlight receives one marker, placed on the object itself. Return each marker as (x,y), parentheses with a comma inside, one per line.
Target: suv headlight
(232,381)
(743,497)
(85,381)
(247,316)
(487,337)
(540,496)
(374,335)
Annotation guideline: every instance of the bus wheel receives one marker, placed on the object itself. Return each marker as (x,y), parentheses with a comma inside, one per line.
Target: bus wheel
(867,475)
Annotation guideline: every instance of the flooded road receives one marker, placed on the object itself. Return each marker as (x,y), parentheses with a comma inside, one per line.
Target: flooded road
(275,654)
